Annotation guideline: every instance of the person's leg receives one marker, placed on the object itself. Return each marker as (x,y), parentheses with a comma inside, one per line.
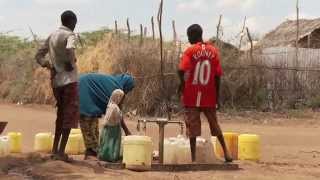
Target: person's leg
(70,115)
(64,140)
(92,139)
(58,128)
(193,148)
(57,136)
(86,125)
(95,132)
(193,129)
(215,129)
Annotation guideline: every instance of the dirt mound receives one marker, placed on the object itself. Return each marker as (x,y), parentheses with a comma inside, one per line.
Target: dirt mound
(36,166)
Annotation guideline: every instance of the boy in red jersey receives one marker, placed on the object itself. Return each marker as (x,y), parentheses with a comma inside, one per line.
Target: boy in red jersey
(200,73)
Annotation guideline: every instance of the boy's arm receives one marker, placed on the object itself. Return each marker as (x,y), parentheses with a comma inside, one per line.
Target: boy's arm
(125,128)
(218,78)
(41,54)
(217,83)
(70,50)
(181,77)
(183,66)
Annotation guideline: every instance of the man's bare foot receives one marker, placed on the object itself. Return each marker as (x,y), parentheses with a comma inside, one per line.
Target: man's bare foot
(90,158)
(228,159)
(61,157)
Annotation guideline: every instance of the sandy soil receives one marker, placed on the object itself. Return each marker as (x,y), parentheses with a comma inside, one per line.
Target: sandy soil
(290,149)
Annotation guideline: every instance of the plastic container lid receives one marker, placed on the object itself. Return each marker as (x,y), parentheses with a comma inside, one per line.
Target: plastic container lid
(4,138)
(249,138)
(75,131)
(137,140)
(230,134)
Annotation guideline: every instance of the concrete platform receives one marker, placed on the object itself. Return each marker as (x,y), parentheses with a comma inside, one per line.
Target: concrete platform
(181,167)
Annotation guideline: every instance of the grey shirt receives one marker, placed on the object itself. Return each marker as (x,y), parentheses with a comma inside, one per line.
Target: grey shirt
(58,45)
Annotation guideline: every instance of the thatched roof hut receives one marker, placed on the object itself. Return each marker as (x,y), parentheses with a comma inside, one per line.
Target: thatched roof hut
(285,35)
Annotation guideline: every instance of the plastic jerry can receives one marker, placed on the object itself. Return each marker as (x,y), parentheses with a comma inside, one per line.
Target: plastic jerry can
(75,131)
(73,144)
(205,152)
(183,152)
(170,154)
(15,142)
(43,142)
(249,147)
(231,140)
(4,146)
(137,152)
(82,145)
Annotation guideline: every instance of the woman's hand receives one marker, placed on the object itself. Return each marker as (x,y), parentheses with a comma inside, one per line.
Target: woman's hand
(128,133)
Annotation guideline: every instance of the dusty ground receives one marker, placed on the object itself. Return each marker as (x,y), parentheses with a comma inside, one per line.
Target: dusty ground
(290,149)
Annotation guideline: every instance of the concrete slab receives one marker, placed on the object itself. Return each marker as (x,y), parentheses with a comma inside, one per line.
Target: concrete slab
(181,167)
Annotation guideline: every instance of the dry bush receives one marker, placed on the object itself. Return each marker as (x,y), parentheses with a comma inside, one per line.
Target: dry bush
(261,86)
(115,55)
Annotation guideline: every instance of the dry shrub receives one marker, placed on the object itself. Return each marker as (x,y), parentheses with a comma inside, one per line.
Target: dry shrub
(115,55)
(39,91)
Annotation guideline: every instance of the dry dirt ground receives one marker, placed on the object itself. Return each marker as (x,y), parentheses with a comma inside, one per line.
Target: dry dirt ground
(290,149)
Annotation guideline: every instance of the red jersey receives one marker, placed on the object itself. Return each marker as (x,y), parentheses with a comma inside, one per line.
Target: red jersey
(201,64)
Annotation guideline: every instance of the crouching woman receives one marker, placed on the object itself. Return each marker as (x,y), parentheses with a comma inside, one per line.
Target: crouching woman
(110,138)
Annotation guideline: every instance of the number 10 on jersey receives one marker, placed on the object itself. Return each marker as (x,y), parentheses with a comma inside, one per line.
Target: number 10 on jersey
(202,73)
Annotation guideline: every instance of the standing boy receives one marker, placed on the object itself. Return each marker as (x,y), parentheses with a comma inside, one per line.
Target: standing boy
(200,73)
(64,79)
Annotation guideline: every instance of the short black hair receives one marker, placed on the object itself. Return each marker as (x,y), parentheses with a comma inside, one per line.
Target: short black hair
(195,32)
(68,17)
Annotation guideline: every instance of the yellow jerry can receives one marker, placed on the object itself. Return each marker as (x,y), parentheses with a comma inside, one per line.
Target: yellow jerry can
(15,142)
(82,145)
(75,131)
(137,152)
(249,147)
(43,142)
(231,140)
(73,145)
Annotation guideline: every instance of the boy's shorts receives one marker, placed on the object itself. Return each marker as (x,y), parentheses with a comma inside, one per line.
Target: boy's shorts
(193,121)
(68,106)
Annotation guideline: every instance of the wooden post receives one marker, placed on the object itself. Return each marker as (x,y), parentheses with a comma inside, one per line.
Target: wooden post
(174,32)
(116,26)
(295,88)
(242,32)
(141,34)
(161,38)
(218,32)
(252,72)
(161,68)
(309,40)
(152,24)
(129,30)
(145,33)
(251,45)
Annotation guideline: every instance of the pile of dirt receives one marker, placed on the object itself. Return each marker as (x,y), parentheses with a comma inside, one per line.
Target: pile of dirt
(19,165)
(36,166)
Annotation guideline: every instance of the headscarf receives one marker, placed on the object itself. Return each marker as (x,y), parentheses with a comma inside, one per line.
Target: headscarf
(113,113)
(126,81)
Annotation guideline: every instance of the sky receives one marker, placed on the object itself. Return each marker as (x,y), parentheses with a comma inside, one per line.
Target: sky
(43,16)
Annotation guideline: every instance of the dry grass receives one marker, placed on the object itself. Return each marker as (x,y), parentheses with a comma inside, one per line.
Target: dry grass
(243,86)
(118,55)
